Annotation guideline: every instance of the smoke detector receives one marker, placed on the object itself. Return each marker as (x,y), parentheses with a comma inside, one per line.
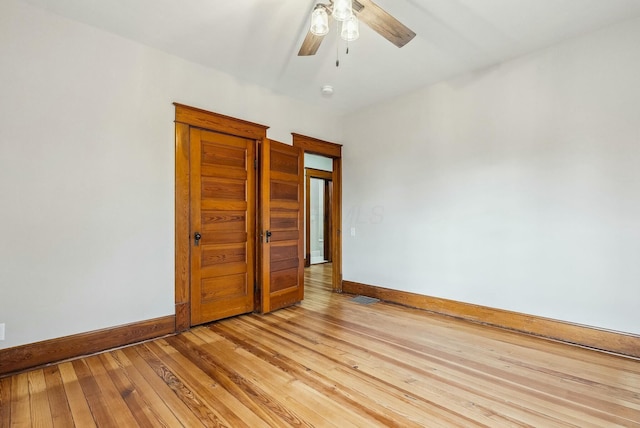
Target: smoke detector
(326,91)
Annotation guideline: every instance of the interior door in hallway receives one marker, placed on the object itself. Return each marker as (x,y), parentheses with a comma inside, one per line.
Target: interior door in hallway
(223,212)
(281,206)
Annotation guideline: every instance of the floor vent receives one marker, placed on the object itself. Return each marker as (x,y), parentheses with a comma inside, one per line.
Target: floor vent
(364,300)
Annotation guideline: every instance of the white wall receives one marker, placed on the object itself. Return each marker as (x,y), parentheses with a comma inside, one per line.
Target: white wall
(87,170)
(515,187)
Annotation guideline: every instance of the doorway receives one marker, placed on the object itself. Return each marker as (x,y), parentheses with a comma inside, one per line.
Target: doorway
(330,155)
(238,219)
(318,198)
(265,259)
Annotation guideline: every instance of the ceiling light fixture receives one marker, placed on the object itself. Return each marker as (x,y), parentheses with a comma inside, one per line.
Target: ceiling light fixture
(350,30)
(343,11)
(340,10)
(319,21)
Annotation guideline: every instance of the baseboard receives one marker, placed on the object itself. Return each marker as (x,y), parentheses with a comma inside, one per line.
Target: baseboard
(592,337)
(49,351)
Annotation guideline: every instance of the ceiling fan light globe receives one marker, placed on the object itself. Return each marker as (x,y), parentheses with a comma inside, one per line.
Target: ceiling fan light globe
(350,29)
(319,22)
(342,9)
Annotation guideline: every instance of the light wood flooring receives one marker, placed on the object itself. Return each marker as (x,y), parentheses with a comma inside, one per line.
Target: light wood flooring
(330,362)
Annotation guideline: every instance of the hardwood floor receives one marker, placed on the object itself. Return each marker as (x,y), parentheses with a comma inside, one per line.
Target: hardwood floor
(330,362)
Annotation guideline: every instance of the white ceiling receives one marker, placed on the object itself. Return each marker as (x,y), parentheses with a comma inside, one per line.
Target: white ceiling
(257,40)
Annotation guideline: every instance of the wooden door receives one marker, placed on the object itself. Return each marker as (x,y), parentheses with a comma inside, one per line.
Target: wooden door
(281,217)
(222,198)
(328,197)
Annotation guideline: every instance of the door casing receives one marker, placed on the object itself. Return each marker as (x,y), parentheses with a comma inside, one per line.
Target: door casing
(333,151)
(187,117)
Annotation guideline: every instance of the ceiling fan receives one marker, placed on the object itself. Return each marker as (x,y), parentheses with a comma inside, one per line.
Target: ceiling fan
(349,11)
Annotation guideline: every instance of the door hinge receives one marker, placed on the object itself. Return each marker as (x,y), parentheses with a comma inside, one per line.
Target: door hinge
(255,163)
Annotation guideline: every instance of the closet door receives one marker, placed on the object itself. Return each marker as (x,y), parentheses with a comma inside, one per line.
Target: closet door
(282,225)
(223,212)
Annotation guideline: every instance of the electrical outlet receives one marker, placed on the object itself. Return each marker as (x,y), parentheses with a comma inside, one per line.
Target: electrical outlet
(353,231)
(1,331)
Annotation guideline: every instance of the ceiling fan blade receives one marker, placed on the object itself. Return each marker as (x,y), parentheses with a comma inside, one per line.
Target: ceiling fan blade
(383,23)
(310,44)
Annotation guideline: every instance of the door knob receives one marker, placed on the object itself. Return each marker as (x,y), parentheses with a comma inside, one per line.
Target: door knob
(197,238)
(268,234)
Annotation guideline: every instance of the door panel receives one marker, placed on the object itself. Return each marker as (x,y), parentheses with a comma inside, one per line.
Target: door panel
(281,199)
(222,200)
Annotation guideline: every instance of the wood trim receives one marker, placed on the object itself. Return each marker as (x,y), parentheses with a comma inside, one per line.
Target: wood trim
(332,150)
(577,334)
(219,123)
(182,233)
(307,219)
(258,294)
(183,316)
(336,225)
(49,351)
(264,204)
(326,223)
(318,173)
(316,146)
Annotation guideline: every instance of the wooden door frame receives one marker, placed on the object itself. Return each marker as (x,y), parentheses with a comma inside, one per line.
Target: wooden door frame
(326,176)
(334,151)
(185,118)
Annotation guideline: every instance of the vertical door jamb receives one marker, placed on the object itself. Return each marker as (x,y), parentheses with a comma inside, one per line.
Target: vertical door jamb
(182,227)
